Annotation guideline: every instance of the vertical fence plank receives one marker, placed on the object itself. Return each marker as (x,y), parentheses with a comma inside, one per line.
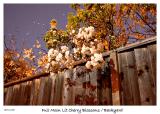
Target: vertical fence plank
(8,99)
(41,91)
(35,92)
(152,67)
(127,95)
(92,88)
(14,95)
(47,91)
(58,89)
(28,92)
(132,78)
(13,100)
(25,91)
(145,87)
(114,79)
(68,88)
(106,91)
(121,77)
(74,77)
(44,95)
(80,81)
(53,77)
(5,94)
(129,80)
(16,92)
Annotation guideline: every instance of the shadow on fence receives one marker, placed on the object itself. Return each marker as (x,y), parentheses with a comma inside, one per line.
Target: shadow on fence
(127,78)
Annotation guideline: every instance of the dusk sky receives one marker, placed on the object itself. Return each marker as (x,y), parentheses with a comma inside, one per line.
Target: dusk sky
(30,21)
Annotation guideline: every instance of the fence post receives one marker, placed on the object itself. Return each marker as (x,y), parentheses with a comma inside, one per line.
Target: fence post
(114,78)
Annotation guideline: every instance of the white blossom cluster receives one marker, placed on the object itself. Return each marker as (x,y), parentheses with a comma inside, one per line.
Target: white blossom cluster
(96,61)
(85,48)
(86,33)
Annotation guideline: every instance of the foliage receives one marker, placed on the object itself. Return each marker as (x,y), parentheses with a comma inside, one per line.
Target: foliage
(15,67)
(18,65)
(54,38)
(123,21)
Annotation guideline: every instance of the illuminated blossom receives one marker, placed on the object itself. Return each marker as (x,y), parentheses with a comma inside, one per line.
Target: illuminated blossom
(93,50)
(98,57)
(59,57)
(95,40)
(76,50)
(55,53)
(64,49)
(88,65)
(67,56)
(85,49)
(47,66)
(52,54)
(53,63)
(73,31)
(94,63)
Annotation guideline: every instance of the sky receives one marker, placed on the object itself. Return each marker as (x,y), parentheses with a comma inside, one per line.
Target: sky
(28,22)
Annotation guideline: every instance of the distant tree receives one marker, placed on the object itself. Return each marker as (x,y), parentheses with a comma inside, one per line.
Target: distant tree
(115,24)
(15,67)
(23,63)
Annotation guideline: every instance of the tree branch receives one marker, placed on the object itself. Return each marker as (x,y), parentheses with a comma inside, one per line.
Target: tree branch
(146,22)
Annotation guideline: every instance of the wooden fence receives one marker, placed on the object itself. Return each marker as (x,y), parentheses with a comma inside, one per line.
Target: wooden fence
(127,78)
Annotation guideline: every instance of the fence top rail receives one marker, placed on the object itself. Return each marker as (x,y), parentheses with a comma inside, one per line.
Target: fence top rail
(137,44)
(25,79)
(105,54)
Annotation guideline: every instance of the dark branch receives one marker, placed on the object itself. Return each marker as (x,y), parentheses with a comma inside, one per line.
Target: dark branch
(146,22)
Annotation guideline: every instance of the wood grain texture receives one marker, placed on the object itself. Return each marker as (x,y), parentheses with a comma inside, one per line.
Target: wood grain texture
(53,77)
(8,98)
(114,79)
(145,87)
(152,68)
(127,95)
(104,85)
(59,89)
(68,88)
(35,88)
(132,78)
(121,77)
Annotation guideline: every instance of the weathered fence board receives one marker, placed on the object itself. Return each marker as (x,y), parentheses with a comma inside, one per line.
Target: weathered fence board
(53,77)
(104,85)
(152,67)
(59,89)
(115,79)
(8,98)
(145,87)
(127,96)
(25,91)
(132,78)
(127,78)
(35,88)
(68,88)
